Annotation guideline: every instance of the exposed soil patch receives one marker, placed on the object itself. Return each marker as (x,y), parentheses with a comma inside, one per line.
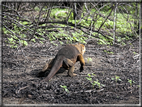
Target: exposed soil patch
(21,84)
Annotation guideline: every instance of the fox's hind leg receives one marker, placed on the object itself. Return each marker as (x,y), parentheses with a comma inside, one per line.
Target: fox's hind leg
(70,72)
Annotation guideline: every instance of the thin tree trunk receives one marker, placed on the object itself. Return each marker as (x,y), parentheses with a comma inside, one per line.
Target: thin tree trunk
(114,24)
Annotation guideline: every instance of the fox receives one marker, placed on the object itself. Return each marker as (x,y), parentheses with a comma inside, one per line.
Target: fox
(66,58)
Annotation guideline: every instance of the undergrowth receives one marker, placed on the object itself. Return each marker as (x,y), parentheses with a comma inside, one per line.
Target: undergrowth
(71,35)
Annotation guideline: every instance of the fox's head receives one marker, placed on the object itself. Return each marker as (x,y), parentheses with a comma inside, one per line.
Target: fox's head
(81,48)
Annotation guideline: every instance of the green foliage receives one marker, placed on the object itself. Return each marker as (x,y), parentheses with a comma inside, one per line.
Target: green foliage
(33,40)
(116,78)
(36,8)
(41,42)
(97,83)
(89,59)
(62,34)
(65,88)
(11,40)
(130,81)
(94,82)
(25,43)
(90,76)
(13,43)
(102,42)
(77,37)
(109,52)
(54,43)
(5,31)
(122,27)
(58,13)
(105,40)
(109,24)
(135,53)
(24,22)
(119,39)
(61,42)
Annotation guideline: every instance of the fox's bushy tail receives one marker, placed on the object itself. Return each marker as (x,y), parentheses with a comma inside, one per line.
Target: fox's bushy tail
(57,64)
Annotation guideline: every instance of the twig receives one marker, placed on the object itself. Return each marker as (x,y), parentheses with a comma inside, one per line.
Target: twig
(36,24)
(71,24)
(106,18)
(92,90)
(17,91)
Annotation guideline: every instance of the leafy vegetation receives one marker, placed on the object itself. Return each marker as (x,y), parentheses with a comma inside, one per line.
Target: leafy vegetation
(109,52)
(89,59)
(130,81)
(117,78)
(90,24)
(94,82)
(65,88)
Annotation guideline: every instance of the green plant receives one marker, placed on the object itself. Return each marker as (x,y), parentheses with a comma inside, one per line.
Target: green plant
(119,39)
(36,8)
(94,82)
(102,42)
(89,59)
(134,52)
(54,43)
(61,42)
(130,81)
(58,13)
(122,27)
(12,42)
(25,43)
(33,40)
(90,76)
(109,52)
(77,37)
(65,88)
(116,78)
(97,83)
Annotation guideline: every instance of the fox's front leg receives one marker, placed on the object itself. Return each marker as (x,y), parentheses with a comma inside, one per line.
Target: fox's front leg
(82,62)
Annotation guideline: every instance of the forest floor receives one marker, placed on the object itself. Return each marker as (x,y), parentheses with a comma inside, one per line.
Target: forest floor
(111,72)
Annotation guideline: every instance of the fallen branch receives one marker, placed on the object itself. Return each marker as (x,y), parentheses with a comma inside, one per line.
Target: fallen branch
(71,24)
(17,91)
(89,91)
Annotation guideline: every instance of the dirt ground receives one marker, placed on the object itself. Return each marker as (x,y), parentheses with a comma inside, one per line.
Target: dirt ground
(112,71)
